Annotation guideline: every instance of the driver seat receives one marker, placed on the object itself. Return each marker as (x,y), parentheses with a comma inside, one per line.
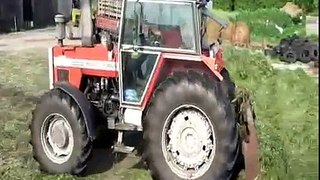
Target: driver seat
(171,38)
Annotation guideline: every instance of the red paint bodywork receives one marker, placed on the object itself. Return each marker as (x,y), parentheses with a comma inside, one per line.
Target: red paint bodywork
(98,52)
(165,65)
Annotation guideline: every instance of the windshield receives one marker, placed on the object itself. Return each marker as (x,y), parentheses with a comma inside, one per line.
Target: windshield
(165,24)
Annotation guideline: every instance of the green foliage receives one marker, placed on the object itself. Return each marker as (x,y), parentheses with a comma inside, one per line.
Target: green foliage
(249,4)
(314,38)
(260,29)
(226,15)
(257,19)
(307,5)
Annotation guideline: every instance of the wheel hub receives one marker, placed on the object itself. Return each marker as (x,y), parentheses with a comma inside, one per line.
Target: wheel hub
(59,134)
(57,138)
(189,142)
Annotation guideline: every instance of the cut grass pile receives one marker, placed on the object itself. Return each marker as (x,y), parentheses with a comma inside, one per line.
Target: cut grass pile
(286,104)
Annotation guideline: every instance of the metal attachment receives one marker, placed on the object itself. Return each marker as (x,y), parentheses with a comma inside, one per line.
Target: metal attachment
(60,21)
(248,133)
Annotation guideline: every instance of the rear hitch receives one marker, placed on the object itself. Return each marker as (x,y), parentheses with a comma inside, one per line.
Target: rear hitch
(246,120)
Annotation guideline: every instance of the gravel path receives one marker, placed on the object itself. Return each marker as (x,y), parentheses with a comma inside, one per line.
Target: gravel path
(39,38)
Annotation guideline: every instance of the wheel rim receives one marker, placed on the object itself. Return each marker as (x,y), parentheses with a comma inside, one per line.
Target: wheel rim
(188,142)
(57,138)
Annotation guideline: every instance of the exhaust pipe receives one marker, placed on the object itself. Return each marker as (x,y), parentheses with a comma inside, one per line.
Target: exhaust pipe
(86,24)
(60,22)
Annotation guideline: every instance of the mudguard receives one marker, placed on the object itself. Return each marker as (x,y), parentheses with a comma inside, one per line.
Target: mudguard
(83,103)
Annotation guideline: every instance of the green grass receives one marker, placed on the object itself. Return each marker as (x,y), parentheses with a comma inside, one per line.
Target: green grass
(226,15)
(259,29)
(256,21)
(286,104)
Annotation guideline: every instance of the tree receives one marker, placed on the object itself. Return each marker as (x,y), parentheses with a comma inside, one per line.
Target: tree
(232,5)
(306,5)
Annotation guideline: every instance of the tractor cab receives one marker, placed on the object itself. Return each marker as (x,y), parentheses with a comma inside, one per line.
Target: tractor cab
(150,29)
(147,30)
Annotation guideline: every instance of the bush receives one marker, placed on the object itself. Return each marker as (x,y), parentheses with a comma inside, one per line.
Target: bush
(249,4)
(256,20)
(307,5)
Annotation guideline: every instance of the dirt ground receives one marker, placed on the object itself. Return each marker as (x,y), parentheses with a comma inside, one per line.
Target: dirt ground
(39,38)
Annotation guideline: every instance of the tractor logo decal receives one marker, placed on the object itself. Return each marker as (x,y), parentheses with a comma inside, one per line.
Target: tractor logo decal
(85,63)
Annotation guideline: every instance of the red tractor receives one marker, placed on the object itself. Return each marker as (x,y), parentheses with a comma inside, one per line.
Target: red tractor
(156,74)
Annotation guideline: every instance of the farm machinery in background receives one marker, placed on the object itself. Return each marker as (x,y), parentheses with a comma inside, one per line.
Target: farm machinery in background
(145,66)
(294,48)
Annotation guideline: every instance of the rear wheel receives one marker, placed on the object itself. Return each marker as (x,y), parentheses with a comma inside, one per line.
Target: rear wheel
(190,130)
(58,134)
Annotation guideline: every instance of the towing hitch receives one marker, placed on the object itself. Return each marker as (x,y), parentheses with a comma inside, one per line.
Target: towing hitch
(246,120)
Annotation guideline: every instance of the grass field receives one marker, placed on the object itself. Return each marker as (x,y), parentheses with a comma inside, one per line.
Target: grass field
(260,30)
(286,104)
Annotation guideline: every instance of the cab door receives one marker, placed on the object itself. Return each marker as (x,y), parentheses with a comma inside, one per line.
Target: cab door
(136,70)
(136,64)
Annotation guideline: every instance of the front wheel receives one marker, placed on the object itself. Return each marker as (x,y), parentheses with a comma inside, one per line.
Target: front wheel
(59,137)
(190,130)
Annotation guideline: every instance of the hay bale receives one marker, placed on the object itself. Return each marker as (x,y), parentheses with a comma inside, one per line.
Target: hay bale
(241,34)
(236,33)
(291,9)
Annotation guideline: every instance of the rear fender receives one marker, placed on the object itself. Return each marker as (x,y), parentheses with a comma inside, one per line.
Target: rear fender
(216,64)
(212,64)
(170,63)
(83,103)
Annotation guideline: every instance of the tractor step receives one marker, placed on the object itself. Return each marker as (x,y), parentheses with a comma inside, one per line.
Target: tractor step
(127,127)
(120,148)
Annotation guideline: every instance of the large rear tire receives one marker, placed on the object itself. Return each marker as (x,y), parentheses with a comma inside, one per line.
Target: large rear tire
(59,137)
(190,130)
